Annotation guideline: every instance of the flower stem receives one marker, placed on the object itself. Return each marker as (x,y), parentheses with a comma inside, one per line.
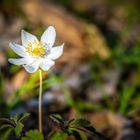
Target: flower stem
(40,102)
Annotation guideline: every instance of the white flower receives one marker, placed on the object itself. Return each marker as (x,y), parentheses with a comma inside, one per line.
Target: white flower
(37,54)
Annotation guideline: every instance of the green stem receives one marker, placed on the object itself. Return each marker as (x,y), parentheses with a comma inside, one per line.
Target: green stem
(40,102)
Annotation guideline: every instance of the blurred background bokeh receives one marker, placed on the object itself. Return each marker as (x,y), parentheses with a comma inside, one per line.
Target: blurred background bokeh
(98,76)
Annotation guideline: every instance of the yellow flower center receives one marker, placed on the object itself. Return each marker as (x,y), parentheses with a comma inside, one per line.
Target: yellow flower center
(36,49)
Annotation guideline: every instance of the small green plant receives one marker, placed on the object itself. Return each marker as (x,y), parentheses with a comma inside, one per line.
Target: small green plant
(33,135)
(12,125)
(80,129)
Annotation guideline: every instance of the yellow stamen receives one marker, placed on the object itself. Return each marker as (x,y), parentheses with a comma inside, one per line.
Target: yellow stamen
(36,49)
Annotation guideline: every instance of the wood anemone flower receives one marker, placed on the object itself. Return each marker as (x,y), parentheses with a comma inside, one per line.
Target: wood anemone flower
(36,54)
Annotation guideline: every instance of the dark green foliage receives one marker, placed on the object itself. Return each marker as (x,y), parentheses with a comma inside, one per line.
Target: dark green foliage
(33,135)
(5,135)
(57,118)
(57,136)
(84,125)
(14,124)
(79,128)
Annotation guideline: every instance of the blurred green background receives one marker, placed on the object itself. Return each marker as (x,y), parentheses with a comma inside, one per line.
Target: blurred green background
(98,76)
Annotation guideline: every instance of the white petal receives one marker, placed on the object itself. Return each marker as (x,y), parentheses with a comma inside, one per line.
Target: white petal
(20,61)
(46,64)
(48,36)
(20,50)
(33,67)
(27,37)
(56,52)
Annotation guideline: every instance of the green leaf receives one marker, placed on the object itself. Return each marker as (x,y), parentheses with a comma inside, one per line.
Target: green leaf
(33,135)
(84,125)
(81,106)
(18,129)
(57,118)
(5,121)
(14,122)
(6,126)
(24,116)
(79,135)
(125,98)
(15,118)
(80,122)
(57,136)
(61,124)
(5,134)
